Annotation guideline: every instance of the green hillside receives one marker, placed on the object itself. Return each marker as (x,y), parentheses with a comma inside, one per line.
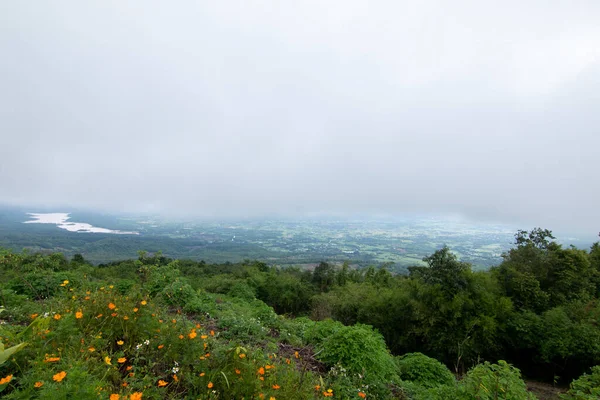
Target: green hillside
(157,328)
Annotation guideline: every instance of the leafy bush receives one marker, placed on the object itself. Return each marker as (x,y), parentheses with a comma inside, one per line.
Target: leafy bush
(493,381)
(360,350)
(586,387)
(425,371)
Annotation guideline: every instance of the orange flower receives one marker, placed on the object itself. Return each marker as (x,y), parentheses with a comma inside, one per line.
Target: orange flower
(180,336)
(112,306)
(120,342)
(126,318)
(144,302)
(318,387)
(60,376)
(160,346)
(78,315)
(162,383)
(124,384)
(276,387)
(114,396)
(38,384)
(242,355)
(362,395)
(34,316)
(113,314)
(136,309)
(51,359)
(296,354)
(237,371)
(174,321)
(121,360)
(56,316)
(6,379)
(212,333)
(272,398)
(210,385)
(175,378)
(136,396)
(261,371)
(192,334)
(129,367)
(91,349)
(203,337)
(202,374)
(269,366)
(328,393)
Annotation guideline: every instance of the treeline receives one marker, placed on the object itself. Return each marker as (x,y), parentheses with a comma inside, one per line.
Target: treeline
(538,309)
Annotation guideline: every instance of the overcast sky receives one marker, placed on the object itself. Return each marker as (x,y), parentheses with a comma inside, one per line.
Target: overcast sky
(490,109)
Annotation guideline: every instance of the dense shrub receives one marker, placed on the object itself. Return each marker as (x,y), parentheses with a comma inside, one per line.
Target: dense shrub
(424,371)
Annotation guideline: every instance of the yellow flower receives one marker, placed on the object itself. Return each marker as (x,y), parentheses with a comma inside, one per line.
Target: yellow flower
(135,309)
(162,383)
(78,315)
(114,396)
(91,349)
(136,396)
(107,360)
(210,385)
(120,342)
(6,379)
(60,376)
(144,302)
(126,318)
(121,360)
(272,398)
(111,286)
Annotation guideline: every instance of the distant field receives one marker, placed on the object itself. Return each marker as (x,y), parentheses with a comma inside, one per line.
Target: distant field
(399,242)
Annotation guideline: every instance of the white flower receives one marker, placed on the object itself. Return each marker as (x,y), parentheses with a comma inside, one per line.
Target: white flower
(175,370)
(146,342)
(137,347)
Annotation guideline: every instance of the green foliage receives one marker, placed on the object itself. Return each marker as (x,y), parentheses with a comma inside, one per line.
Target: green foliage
(586,387)
(425,371)
(360,350)
(493,381)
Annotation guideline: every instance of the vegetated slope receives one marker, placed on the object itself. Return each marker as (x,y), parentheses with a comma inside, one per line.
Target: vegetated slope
(145,328)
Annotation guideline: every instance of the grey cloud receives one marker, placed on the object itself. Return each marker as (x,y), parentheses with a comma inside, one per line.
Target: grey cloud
(249,108)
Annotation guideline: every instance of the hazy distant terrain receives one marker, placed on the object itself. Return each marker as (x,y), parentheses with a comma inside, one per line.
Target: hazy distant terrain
(402,241)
